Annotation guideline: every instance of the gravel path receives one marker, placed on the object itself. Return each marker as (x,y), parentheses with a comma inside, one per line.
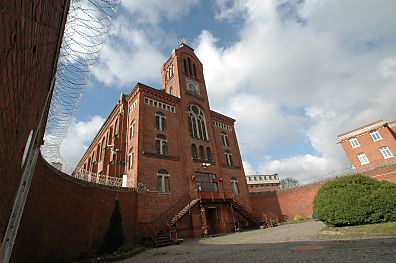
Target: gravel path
(287,243)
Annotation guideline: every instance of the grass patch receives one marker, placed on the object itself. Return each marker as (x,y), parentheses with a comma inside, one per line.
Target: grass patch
(381,229)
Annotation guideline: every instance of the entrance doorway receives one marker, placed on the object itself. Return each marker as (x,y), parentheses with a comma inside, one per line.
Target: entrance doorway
(212,220)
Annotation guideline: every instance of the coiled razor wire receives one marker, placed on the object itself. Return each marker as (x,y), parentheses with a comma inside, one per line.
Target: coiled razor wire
(87,24)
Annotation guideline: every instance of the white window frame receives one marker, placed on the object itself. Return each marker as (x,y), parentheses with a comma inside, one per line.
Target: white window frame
(161,121)
(375,135)
(354,142)
(235,186)
(131,156)
(363,158)
(224,138)
(386,153)
(162,176)
(162,144)
(132,129)
(229,160)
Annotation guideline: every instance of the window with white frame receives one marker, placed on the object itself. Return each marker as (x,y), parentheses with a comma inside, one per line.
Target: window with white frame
(224,138)
(163,181)
(354,142)
(130,159)
(386,152)
(235,186)
(228,157)
(375,135)
(132,129)
(160,121)
(160,143)
(197,123)
(363,158)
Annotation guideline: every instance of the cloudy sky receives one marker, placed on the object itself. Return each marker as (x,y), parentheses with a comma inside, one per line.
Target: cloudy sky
(294,74)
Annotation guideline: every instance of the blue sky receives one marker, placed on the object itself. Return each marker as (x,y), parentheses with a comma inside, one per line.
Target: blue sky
(294,74)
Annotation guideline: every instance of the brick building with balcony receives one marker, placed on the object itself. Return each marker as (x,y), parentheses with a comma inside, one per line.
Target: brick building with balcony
(183,154)
(371,149)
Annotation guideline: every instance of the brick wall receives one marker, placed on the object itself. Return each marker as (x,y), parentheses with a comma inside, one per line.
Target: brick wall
(30,33)
(64,217)
(286,204)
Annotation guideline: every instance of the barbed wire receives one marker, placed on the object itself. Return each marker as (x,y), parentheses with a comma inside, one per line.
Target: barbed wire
(87,24)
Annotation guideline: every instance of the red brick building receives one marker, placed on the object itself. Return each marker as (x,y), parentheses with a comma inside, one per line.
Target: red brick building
(184,154)
(263,183)
(371,149)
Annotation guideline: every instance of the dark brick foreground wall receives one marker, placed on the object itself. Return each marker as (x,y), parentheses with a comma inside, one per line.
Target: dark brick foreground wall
(30,34)
(64,217)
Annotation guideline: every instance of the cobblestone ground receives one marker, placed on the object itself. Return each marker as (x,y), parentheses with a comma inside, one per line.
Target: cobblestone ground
(289,243)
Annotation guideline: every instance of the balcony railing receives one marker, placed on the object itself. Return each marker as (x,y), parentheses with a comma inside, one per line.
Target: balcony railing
(101,179)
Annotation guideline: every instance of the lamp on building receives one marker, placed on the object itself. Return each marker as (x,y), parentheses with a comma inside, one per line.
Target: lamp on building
(206,165)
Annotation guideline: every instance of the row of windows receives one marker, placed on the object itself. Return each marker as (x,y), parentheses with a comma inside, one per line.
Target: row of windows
(170,71)
(189,67)
(374,135)
(222,125)
(159,104)
(194,153)
(266,177)
(132,106)
(203,182)
(386,153)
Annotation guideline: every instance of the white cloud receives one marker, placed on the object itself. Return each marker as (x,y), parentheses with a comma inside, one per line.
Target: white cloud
(152,11)
(333,59)
(78,139)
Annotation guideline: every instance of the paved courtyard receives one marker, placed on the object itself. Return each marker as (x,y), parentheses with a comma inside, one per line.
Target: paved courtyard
(288,243)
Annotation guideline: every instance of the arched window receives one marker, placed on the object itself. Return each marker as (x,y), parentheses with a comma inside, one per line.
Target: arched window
(132,129)
(160,143)
(131,159)
(201,153)
(160,121)
(235,186)
(163,181)
(209,154)
(224,138)
(194,151)
(228,157)
(197,123)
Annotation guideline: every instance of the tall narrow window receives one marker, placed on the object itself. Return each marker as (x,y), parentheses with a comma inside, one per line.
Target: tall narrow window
(116,128)
(224,138)
(209,154)
(102,150)
(354,142)
(132,129)
(195,74)
(228,157)
(201,153)
(189,66)
(362,158)
(131,158)
(170,91)
(160,142)
(235,186)
(185,66)
(197,123)
(194,151)
(375,135)
(386,152)
(163,181)
(160,121)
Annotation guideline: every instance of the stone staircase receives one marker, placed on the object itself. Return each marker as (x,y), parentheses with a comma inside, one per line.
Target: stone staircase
(182,212)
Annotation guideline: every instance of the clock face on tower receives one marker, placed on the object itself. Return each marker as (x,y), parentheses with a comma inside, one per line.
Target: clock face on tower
(192,87)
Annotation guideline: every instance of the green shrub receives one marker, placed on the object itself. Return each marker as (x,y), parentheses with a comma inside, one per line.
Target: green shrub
(355,200)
